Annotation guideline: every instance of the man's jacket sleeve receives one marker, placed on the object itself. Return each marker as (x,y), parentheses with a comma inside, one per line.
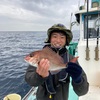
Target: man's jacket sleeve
(33,78)
(82,87)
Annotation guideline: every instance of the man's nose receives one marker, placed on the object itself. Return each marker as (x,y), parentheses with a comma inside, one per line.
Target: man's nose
(58,39)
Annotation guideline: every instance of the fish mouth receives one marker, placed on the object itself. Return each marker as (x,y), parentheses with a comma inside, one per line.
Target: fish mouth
(33,61)
(27,58)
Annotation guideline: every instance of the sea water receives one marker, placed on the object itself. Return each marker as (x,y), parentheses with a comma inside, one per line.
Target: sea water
(14,46)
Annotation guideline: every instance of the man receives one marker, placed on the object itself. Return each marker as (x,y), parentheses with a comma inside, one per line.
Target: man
(56,86)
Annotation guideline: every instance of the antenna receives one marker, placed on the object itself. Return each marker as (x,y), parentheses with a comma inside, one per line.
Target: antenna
(85,3)
(71,21)
(78,4)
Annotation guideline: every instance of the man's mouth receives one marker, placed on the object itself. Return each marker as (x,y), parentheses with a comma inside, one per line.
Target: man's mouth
(57,45)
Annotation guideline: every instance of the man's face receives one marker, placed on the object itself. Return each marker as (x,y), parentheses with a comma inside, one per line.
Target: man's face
(58,40)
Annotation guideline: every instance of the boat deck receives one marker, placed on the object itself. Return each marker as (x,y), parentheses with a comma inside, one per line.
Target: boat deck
(31,95)
(93,94)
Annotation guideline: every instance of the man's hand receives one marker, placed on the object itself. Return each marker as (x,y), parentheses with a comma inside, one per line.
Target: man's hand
(43,68)
(74,71)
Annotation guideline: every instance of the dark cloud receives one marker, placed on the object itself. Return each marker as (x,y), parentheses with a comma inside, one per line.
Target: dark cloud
(40,11)
(46,8)
(52,8)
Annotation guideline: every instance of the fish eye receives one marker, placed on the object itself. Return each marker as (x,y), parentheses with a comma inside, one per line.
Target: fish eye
(31,54)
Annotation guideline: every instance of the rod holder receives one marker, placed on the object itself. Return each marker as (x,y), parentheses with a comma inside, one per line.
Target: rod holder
(96,53)
(87,54)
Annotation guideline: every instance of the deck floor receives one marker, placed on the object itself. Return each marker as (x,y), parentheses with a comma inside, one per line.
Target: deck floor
(93,94)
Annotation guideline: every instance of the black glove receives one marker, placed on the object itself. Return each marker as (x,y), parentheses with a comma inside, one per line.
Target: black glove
(75,71)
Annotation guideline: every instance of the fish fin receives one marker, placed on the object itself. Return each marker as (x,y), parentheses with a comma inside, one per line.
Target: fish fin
(46,49)
(74,60)
(50,52)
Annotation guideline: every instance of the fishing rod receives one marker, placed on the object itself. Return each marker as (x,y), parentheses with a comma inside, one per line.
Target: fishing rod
(87,47)
(97,42)
(97,48)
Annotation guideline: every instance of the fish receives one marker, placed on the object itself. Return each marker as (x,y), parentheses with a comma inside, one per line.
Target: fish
(56,61)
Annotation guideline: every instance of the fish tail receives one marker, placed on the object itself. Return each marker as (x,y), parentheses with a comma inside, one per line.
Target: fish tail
(74,60)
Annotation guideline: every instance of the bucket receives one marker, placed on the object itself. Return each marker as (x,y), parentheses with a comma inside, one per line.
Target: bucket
(13,96)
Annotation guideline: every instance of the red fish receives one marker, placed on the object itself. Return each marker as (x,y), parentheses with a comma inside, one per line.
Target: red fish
(56,62)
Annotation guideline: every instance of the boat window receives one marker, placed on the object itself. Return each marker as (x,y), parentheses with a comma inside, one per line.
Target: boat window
(92,30)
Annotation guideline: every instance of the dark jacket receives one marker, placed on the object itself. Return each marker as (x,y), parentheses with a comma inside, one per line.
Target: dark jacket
(61,87)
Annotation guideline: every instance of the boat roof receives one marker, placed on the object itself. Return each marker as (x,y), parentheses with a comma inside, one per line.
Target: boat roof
(84,11)
(96,9)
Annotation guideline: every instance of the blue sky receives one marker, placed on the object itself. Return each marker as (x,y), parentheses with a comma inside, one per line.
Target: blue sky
(35,15)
